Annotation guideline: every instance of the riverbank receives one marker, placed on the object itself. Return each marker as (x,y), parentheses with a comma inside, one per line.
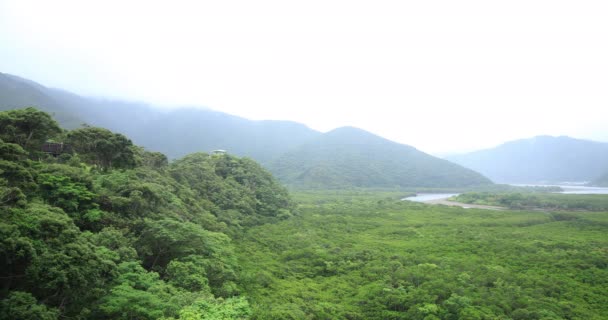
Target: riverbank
(447,202)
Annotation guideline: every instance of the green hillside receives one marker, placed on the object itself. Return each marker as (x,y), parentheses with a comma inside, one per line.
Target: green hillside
(350,157)
(111,231)
(175,133)
(108,230)
(298,155)
(17,92)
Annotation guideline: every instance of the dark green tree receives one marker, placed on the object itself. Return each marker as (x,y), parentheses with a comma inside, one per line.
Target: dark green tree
(29,128)
(23,306)
(102,147)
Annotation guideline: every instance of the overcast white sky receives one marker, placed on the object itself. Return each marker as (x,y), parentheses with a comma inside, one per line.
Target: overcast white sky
(443,76)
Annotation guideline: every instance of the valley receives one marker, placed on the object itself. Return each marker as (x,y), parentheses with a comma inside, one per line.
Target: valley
(371,256)
(327,233)
(303,160)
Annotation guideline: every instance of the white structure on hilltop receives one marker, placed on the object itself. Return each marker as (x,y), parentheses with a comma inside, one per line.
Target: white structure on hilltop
(218,151)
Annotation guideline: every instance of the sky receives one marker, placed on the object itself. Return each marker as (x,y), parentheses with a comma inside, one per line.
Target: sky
(444,76)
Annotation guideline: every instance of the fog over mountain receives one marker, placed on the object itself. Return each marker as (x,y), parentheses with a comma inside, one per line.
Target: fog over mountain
(319,159)
(602,181)
(542,159)
(443,76)
(299,156)
(174,132)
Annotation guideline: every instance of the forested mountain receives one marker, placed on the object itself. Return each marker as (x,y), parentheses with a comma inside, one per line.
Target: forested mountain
(189,130)
(106,230)
(174,133)
(543,159)
(299,155)
(16,92)
(351,157)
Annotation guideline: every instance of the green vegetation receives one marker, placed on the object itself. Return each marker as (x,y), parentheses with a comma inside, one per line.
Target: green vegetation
(114,231)
(353,158)
(545,201)
(374,257)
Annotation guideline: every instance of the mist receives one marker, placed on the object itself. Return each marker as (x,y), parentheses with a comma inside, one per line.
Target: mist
(445,77)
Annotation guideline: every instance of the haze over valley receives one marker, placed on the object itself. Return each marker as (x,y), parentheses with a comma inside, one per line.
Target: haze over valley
(541,159)
(348,160)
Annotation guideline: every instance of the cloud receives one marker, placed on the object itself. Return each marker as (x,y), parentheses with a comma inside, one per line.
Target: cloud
(440,75)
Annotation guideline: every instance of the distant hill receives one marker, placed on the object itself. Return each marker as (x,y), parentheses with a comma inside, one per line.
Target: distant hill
(186,130)
(351,157)
(174,133)
(16,92)
(543,159)
(345,157)
(602,181)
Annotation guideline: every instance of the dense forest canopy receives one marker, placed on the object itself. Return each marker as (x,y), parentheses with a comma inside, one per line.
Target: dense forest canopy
(110,230)
(366,255)
(104,229)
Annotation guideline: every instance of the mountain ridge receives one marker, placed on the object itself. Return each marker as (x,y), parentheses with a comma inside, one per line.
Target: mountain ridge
(187,130)
(352,157)
(541,159)
(262,140)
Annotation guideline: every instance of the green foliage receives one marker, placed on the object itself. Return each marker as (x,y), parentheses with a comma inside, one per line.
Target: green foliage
(155,160)
(188,273)
(215,237)
(128,241)
(15,172)
(102,148)
(138,294)
(236,187)
(164,240)
(11,151)
(46,255)
(370,257)
(233,308)
(23,306)
(61,192)
(29,128)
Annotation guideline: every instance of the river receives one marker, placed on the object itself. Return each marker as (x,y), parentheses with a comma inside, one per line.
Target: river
(424,197)
(567,189)
(570,189)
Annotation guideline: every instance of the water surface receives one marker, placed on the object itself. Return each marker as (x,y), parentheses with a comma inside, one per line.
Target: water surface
(423,197)
(571,188)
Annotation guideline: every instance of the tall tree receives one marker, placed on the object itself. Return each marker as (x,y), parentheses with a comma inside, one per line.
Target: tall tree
(102,147)
(29,127)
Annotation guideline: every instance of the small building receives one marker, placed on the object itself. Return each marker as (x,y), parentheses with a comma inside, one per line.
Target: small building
(56,148)
(218,151)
